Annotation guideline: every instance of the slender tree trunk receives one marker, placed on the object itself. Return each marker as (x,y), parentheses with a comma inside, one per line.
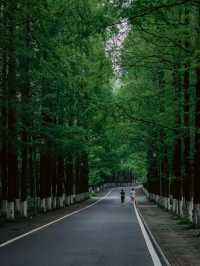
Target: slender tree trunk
(25,181)
(13,192)
(196,215)
(177,184)
(3,156)
(84,173)
(69,176)
(197,138)
(44,174)
(187,175)
(61,178)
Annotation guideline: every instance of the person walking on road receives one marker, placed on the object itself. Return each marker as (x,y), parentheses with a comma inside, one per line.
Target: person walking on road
(132,195)
(122,193)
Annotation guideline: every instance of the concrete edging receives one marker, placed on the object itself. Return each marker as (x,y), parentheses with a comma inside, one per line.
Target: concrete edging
(14,239)
(158,249)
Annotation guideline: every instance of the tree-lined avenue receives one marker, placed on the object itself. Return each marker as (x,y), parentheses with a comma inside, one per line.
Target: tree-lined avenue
(106,234)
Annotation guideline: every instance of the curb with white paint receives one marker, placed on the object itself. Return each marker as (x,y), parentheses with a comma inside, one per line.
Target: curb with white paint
(154,256)
(53,222)
(152,244)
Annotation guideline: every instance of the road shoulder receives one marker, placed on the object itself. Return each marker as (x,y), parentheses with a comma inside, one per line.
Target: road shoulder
(179,242)
(13,229)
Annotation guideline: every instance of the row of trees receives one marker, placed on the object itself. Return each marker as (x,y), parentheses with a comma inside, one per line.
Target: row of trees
(61,123)
(160,97)
(55,100)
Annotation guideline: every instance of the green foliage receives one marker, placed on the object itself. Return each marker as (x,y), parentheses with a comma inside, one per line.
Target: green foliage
(64,80)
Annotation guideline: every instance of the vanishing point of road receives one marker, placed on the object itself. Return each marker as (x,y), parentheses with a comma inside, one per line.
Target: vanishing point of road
(106,234)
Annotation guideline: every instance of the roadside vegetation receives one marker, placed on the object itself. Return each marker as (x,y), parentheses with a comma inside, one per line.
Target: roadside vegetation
(76,110)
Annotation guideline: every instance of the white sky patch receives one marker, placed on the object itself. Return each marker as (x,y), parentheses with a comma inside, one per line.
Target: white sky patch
(115,44)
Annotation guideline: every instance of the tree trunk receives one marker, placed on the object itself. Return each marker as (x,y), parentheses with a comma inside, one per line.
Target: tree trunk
(26,122)
(12,148)
(3,153)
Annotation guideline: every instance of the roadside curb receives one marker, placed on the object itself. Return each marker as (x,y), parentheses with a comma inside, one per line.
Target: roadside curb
(23,235)
(155,244)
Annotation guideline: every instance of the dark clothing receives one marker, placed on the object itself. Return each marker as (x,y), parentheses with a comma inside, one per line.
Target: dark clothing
(122,193)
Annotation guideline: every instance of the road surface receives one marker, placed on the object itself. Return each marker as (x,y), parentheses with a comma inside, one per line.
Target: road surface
(106,234)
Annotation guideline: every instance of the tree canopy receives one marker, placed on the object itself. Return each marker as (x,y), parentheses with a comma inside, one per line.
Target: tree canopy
(91,88)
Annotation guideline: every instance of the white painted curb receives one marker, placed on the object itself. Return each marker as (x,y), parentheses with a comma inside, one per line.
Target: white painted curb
(154,256)
(53,222)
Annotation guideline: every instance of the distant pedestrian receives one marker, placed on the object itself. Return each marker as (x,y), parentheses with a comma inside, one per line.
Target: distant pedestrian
(132,195)
(122,193)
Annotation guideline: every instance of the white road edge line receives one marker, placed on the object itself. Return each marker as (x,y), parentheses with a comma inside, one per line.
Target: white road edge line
(53,222)
(154,256)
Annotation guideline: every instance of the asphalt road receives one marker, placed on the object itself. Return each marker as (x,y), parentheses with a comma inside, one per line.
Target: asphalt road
(106,234)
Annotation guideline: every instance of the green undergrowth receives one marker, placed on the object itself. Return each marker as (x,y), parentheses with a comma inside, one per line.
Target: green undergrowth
(183,221)
(92,194)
